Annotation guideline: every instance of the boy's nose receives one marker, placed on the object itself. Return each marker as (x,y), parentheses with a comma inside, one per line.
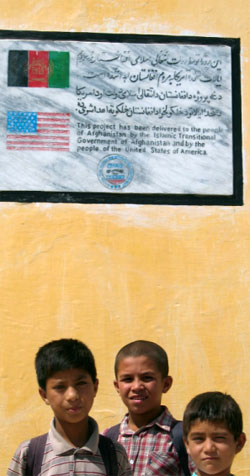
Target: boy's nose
(137,384)
(72,393)
(209,445)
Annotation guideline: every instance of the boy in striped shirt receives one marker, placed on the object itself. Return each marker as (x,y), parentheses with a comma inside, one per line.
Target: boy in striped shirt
(68,383)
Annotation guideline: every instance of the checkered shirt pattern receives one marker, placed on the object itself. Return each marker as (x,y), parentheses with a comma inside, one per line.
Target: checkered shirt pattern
(150,449)
(61,459)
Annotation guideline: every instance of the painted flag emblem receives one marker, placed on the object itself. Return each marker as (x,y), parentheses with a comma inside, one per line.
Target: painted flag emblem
(38,69)
(38,131)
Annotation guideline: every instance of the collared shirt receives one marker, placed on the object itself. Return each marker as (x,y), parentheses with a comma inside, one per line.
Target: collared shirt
(150,449)
(61,458)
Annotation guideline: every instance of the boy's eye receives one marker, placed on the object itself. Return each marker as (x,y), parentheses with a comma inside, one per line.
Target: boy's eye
(81,382)
(148,378)
(59,387)
(126,379)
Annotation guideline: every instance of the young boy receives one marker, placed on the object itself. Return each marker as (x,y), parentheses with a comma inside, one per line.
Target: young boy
(212,427)
(141,377)
(67,381)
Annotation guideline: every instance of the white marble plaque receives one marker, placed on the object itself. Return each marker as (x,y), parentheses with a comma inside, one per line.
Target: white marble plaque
(120,118)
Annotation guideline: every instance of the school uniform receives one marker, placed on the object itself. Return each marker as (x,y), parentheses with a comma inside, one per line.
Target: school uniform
(61,458)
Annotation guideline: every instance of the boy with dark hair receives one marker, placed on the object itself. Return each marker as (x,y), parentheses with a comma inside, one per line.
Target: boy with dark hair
(212,427)
(147,430)
(66,375)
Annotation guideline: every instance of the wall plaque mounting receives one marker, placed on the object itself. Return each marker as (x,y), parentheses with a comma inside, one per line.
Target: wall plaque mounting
(108,118)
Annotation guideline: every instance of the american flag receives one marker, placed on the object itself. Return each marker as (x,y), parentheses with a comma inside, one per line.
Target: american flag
(38,131)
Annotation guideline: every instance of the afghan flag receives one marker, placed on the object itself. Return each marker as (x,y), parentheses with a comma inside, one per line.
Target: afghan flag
(38,69)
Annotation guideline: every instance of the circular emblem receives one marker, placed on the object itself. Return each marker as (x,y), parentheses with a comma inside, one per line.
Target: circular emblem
(115,172)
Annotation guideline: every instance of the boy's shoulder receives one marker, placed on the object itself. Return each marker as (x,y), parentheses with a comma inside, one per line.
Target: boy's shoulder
(165,421)
(35,453)
(173,428)
(22,449)
(19,459)
(113,432)
(29,456)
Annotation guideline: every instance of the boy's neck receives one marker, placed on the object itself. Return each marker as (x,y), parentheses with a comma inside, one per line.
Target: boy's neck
(76,434)
(223,473)
(135,422)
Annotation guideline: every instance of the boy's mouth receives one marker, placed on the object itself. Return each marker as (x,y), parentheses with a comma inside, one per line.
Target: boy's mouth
(138,397)
(74,409)
(210,458)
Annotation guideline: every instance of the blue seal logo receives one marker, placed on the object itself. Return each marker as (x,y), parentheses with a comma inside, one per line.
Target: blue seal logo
(115,172)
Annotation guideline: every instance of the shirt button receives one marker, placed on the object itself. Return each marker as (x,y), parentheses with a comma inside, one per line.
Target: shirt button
(131,461)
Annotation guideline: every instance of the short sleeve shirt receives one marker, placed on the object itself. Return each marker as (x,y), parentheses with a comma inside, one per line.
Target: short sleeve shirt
(150,449)
(60,458)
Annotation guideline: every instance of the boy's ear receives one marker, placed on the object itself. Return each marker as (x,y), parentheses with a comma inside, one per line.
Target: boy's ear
(96,384)
(240,442)
(186,445)
(116,386)
(42,394)
(167,383)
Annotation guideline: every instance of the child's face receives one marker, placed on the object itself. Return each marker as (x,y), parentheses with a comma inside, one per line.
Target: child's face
(140,385)
(70,393)
(212,447)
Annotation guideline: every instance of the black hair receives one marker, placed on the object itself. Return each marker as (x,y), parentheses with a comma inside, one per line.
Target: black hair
(63,354)
(214,407)
(147,348)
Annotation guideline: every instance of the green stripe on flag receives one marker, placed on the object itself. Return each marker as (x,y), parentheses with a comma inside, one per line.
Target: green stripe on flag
(58,69)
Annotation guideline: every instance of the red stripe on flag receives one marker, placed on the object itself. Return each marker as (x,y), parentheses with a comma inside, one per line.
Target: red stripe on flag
(37,148)
(38,65)
(43,130)
(54,114)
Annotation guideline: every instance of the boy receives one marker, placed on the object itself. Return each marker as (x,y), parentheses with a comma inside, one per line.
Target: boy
(213,434)
(141,377)
(67,381)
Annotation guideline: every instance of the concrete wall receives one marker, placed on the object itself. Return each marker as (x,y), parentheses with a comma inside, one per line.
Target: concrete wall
(109,274)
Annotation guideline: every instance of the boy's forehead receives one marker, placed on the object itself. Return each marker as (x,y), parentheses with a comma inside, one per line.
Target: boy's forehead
(73,374)
(211,426)
(135,363)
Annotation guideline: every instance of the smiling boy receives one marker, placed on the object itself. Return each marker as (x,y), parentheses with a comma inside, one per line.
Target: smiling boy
(68,383)
(212,426)
(141,385)
(141,378)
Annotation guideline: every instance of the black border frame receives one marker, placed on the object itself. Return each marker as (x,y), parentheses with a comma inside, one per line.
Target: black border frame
(236,199)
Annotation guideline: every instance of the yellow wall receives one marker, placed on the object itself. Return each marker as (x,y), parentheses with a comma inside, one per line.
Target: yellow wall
(109,274)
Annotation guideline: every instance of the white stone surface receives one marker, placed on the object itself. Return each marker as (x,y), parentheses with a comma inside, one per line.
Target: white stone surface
(165,108)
